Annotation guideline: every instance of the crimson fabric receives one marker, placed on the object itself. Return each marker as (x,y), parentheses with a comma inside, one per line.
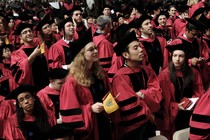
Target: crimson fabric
(195,7)
(23,72)
(59,54)
(178,26)
(105,51)
(158,45)
(166,124)
(75,108)
(44,96)
(134,112)
(200,120)
(11,131)
(7,108)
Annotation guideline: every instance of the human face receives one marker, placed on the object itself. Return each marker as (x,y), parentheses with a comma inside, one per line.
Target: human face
(121,20)
(26,35)
(178,58)
(207,32)
(6,53)
(57,84)
(11,23)
(53,27)
(191,35)
(69,29)
(46,29)
(107,12)
(26,102)
(146,27)
(172,11)
(162,20)
(77,16)
(91,52)
(135,52)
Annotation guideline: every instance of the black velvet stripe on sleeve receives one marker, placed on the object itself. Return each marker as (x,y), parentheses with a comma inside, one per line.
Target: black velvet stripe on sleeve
(133,121)
(69,112)
(105,59)
(13,66)
(50,61)
(80,135)
(17,78)
(110,75)
(199,131)
(131,111)
(73,125)
(106,65)
(127,101)
(201,118)
(14,70)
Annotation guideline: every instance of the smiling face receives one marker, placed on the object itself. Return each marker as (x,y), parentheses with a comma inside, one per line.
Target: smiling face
(162,20)
(91,52)
(27,35)
(26,102)
(172,11)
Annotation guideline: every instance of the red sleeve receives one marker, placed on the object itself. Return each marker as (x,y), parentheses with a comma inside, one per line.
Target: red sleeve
(198,84)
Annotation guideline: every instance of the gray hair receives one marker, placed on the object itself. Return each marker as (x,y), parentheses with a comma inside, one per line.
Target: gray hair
(102,21)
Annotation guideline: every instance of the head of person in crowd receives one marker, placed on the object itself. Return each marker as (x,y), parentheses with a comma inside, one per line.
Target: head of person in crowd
(6,51)
(11,22)
(27,103)
(129,48)
(162,18)
(25,32)
(193,28)
(104,24)
(183,11)
(172,10)
(199,14)
(53,26)
(66,26)
(143,24)
(154,8)
(44,26)
(76,14)
(57,78)
(207,30)
(107,10)
(86,62)
(3,25)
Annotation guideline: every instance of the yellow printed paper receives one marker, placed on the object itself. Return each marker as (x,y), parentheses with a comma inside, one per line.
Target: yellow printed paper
(109,103)
(42,48)
(6,40)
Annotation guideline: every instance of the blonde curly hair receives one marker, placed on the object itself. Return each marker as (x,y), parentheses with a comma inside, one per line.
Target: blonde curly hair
(79,70)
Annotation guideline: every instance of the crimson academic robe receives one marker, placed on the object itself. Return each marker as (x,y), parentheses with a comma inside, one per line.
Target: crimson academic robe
(75,108)
(50,99)
(178,26)
(167,123)
(59,54)
(11,131)
(105,50)
(134,112)
(35,74)
(7,108)
(156,53)
(200,120)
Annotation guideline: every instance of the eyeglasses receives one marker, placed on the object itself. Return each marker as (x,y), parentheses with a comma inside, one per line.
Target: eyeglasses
(27,97)
(92,49)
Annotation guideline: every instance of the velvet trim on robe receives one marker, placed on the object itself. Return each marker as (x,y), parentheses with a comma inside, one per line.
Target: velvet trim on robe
(59,54)
(133,111)
(105,51)
(200,119)
(169,104)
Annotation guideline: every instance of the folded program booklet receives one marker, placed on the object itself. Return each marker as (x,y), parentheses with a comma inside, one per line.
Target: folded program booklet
(193,102)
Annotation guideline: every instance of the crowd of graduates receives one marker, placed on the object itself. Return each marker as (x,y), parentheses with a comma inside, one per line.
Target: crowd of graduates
(58,63)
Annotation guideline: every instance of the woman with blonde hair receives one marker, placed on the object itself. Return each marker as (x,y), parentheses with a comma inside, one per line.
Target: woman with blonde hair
(81,96)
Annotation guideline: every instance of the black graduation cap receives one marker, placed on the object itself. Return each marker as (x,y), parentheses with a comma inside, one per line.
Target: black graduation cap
(129,7)
(183,8)
(75,8)
(79,44)
(107,6)
(45,20)
(23,16)
(120,31)
(63,22)
(115,19)
(177,44)
(196,23)
(153,6)
(59,131)
(21,26)
(57,73)
(21,89)
(140,20)
(15,6)
(198,11)
(124,42)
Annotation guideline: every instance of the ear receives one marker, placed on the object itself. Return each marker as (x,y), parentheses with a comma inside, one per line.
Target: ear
(125,55)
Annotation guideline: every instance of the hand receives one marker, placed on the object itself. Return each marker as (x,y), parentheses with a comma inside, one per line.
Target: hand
(180,106)
(201,60)
(97,107)
(194,61)
(140,94)
(34,54)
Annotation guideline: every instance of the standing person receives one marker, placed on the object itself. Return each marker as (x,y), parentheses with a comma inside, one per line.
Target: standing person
(137,92)
(29,65)
(177,81)
(199,124)
(59,55)
(30,121)
(81,96)
(49,95)
(105,48)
